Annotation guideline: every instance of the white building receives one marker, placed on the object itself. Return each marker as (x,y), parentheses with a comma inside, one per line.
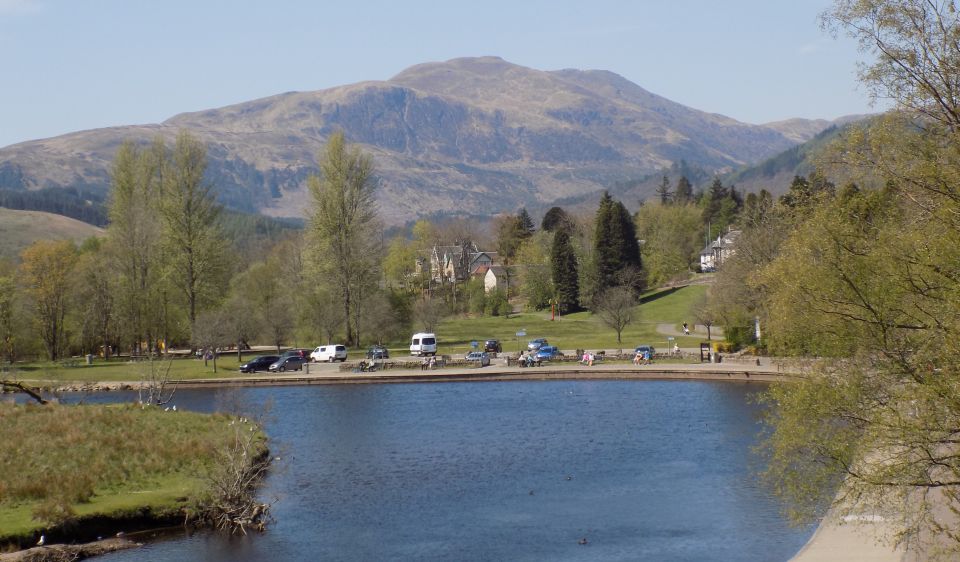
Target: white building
(714,254)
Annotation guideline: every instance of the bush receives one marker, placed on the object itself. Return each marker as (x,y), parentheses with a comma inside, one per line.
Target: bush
(739,336)
(496,303)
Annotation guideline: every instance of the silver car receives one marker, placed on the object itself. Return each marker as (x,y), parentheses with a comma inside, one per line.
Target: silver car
(481,357)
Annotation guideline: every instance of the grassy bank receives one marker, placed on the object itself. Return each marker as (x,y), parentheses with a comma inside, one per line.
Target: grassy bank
(63,463)
(582,330)
(56,374)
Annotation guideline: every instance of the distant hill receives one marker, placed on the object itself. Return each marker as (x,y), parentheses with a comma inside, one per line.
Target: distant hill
(473,135)
(19,229)
(775,174)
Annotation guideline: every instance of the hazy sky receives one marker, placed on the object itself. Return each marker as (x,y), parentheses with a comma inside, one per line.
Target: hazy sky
(67,65)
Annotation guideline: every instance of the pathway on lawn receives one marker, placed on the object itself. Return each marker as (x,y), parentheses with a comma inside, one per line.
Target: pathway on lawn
(716,332)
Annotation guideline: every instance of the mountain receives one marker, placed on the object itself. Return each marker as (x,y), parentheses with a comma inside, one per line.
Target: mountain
(19,229)
(473,135)
(776,173)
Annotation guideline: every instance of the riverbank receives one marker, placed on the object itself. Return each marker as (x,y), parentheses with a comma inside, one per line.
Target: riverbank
(74,473)
(323,373)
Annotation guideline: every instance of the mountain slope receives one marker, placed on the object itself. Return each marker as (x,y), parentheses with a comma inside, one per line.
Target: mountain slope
(19,229)
(474,134)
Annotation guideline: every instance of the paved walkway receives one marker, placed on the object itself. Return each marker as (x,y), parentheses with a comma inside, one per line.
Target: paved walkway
(854,539)
(716,332)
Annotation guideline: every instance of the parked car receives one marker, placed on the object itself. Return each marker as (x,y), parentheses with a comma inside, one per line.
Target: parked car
(378,352)
(536,344)
(547,352)
(330,352)
(423,343)
(492,346)
(291,363)
(305,353)
(258,363)
(641,349)
(480,357)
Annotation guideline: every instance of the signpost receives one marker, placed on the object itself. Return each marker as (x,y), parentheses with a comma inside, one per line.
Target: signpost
(520,333)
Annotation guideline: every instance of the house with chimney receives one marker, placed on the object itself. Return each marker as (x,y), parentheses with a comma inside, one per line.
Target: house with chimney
(714,254)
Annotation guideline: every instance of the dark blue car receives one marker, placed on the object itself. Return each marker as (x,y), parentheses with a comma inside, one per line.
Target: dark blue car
(258,363)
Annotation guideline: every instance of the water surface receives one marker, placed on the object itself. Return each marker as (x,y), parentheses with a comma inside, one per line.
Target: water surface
(643,470)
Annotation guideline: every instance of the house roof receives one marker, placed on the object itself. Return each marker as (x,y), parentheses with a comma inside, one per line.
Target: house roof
(497,270)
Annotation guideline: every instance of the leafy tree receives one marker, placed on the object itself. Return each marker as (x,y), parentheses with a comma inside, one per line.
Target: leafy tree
(46,268)
(684,191)
(563,263)
(663,191)
(93,291)
(400,262)
(496,303)
(8,325)
(615,242)
(211,333)
(869,279)
(134,241)
(195,248)
(342,225)
(672,239)
(511,233)
(508,237)
(533,259)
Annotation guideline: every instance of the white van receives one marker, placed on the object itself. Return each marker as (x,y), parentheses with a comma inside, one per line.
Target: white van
(423,344)
(330,352)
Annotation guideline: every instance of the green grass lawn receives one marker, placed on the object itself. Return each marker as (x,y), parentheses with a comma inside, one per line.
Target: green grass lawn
(123,370)
(582,330)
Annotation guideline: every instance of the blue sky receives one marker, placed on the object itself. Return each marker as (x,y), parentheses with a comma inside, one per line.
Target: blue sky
(67,65)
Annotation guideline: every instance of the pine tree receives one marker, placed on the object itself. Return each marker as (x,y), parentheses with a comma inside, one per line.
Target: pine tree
(566,281)
(663,190)
(716,198)
(556,218)
(525,226)
(684,191)
(615,242)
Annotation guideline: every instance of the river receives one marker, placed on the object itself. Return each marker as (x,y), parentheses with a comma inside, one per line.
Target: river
(642,470)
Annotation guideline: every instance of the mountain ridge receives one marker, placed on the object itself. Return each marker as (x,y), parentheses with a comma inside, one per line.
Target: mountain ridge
(470,133)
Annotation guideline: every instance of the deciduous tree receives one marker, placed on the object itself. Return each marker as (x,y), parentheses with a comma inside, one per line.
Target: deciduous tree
(343,222)
(615,307)
(195,249)
(45,271)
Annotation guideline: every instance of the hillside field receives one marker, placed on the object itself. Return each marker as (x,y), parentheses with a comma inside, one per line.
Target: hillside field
(19,229)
